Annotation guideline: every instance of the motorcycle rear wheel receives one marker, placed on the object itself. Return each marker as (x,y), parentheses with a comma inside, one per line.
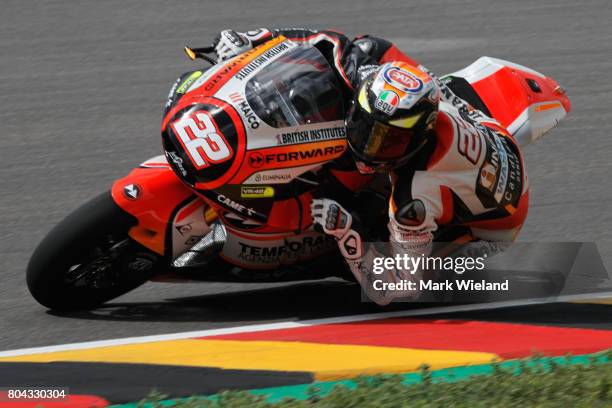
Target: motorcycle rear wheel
(88,258)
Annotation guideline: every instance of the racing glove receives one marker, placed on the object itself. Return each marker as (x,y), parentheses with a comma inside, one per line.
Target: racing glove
(337,222)
(230,43)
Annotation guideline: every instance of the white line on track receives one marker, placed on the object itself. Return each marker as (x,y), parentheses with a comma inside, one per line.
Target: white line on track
(290,325)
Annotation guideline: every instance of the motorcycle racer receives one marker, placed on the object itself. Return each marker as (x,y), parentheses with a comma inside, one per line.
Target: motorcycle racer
(456,173)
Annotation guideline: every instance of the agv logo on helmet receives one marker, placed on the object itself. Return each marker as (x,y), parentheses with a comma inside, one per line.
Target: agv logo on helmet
(402,80)
(387,102)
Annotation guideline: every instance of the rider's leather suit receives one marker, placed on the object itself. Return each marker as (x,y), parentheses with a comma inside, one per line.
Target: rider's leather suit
(469,181)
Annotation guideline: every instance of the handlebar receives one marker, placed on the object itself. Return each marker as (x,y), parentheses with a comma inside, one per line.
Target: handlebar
(201,53)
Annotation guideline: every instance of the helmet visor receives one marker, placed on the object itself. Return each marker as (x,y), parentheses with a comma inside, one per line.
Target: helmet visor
(376,141)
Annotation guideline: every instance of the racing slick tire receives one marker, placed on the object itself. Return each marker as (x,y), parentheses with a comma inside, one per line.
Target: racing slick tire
(88,258)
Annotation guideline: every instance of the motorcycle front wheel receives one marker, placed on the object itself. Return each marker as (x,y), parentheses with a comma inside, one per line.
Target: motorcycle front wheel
(88,258)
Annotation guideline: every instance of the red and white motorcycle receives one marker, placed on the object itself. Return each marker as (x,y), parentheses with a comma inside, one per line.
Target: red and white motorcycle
(230,199)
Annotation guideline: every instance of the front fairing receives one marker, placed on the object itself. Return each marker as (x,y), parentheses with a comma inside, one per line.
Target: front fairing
(279,108)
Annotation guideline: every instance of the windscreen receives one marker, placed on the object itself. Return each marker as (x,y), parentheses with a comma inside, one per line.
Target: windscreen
(298,88)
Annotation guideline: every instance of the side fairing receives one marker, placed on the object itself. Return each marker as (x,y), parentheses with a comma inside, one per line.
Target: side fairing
(171,218)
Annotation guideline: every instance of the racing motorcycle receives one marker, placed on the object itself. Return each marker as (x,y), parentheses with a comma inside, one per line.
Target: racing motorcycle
(229,200)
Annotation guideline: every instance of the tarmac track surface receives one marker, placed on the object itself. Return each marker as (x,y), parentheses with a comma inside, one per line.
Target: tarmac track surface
(82,86)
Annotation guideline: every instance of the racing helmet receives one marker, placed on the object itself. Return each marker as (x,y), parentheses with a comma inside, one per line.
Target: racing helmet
(393,111)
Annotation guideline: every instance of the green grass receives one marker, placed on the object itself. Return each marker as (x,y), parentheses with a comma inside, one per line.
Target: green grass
(534,382)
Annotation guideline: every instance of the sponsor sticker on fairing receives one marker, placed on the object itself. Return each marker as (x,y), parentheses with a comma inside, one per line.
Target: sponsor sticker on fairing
(188,82)
(287,252)
(241,104)
(402,80)
(387,102)
(264,59)
(234,206)
(256,192)
(313,134)
(169,98)
(132,191)
(279,176)
(176,159)
(315,153)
